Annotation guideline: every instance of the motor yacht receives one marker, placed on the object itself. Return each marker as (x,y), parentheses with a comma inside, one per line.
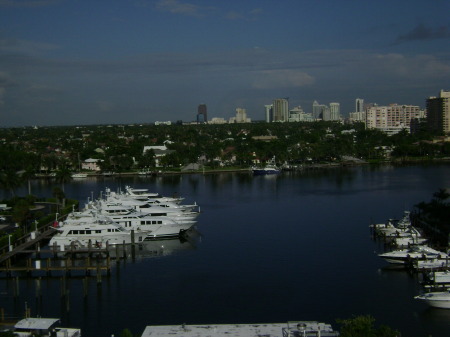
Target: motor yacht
(415,252)
(144,194)
(439,299)
(99,233)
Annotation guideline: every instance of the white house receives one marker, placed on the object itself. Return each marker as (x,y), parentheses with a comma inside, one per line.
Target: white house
(91,164)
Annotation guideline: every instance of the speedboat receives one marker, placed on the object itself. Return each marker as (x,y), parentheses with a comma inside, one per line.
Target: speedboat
(415,252)
(439,299)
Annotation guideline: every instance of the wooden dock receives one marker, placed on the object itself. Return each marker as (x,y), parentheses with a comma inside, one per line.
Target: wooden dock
(27,257)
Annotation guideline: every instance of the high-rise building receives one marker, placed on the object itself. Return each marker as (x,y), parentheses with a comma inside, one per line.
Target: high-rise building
(280,110)
(335,111)
(359,105)
(392,118)
(202,114)
(318,110)
(438,112)
(269,113)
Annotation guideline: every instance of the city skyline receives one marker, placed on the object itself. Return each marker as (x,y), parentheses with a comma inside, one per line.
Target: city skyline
(71,63)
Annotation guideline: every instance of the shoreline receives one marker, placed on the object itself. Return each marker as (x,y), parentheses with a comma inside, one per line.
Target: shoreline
(308,167)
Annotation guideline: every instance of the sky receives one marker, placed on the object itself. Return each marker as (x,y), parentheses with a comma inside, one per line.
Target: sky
(78,62)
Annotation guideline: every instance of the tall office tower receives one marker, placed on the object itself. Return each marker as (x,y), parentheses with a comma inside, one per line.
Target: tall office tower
(316,109)
(202,114)
(280,110)
(269,113)
(325,114)
(359,105)
(438,112)
(335,113)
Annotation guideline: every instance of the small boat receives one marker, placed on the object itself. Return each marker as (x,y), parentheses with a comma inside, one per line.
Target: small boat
(79,175)
(30,326)
(269,168)
(438,299)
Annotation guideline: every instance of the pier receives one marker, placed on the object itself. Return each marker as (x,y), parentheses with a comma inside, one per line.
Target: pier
(28,257)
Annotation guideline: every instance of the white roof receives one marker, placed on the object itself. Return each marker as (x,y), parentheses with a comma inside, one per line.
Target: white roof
(239,330)
(36,323)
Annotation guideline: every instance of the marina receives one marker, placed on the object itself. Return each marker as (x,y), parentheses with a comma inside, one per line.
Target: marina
(259,256)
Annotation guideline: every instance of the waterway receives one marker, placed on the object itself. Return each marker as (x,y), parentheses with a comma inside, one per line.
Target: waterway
(295,246)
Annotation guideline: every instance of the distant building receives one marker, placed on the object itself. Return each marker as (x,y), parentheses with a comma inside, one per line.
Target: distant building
(163,123)
(202,114)
(217,120)
(241,117)
(91,164)
(269,113)
(393,118)
(280,110)
(159,151)
(438,112)
(359,105)
(298,115)
(335,111)
(318,110)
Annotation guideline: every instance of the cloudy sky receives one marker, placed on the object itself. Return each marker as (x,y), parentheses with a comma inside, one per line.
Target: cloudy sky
(68,62)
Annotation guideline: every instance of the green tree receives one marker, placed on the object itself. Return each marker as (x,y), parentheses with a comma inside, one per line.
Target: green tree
(10,180)
(126,333)
(21,211)
(63,175)
(364,326)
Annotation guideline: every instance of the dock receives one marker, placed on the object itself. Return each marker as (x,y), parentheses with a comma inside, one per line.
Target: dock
(289,329)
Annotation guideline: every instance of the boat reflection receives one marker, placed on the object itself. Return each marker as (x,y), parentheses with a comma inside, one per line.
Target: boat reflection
(159,248)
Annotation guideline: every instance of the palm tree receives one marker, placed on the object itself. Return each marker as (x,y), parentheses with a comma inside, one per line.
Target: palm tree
(27,175)
(10,180)
(63,175)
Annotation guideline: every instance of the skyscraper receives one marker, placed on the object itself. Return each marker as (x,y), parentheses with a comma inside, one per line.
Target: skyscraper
(319,109)
(335,113)
(202,114)
(438,112)
(269,113)
(359,105)
(280,110)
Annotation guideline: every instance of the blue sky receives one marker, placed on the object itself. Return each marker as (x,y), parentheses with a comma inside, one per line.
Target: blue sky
(70,62)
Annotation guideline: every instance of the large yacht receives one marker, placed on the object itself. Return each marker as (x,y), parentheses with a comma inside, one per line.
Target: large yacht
(95,233)
(415,252)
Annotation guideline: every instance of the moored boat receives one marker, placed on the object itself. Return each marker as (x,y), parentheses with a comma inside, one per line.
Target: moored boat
(438,299)
(422,252)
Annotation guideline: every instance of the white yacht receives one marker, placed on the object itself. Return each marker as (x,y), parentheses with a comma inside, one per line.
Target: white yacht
(439,299)
(96,233)
(415,252)
(155,226)
(144,194)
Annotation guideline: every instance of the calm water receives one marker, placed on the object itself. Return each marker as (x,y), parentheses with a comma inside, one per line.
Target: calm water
(272,249)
